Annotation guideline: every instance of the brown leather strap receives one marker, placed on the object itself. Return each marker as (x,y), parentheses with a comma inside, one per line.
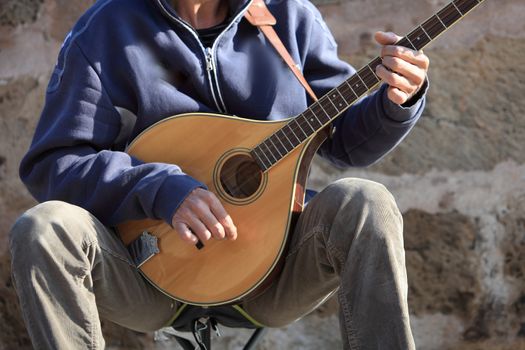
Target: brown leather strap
(259,16)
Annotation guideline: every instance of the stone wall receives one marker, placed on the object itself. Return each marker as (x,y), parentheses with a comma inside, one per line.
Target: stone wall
(459,178)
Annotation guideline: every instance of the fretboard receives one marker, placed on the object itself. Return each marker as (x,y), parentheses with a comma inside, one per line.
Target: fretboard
(336,101)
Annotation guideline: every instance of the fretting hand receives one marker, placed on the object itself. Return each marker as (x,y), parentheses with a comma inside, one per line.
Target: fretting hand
(403,69)
(202,216)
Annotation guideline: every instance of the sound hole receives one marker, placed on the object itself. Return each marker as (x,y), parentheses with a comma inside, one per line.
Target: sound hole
(240,176)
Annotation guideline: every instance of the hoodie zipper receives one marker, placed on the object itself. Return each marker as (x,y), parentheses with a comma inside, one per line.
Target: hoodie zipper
(211,69)
(210,66)
(209,53)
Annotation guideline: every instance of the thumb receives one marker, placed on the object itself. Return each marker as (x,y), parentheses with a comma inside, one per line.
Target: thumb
(386,38)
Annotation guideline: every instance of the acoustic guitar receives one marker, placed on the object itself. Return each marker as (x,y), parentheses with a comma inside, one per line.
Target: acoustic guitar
(258,170)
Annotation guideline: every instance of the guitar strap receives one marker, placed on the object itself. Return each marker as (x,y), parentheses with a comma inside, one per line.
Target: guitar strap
(259,16)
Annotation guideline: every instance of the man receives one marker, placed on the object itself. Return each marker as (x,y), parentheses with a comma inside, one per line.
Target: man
(130,63)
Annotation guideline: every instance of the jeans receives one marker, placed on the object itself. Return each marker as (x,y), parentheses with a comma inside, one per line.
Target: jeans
(69,270)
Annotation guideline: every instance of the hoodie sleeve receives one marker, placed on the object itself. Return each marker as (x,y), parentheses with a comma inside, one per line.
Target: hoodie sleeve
(370,128)
(70,158)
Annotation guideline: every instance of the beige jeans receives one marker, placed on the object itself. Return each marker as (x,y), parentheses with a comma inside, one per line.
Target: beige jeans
(69,270)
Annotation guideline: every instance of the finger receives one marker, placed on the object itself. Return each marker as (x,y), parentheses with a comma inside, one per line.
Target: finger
(213,225)
(395,80)
(417,58)
(185,233)
(199,229)
(397,96)
(231,229)
(224,218)
(413,73)
(199,214)
(386,38)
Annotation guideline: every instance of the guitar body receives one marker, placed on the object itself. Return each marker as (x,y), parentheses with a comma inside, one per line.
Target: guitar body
(214,149)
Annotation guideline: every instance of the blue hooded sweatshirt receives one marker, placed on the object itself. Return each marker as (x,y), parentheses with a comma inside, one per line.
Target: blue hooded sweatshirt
(130,63)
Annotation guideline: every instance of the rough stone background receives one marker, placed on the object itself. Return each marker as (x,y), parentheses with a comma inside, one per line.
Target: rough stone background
(459,178)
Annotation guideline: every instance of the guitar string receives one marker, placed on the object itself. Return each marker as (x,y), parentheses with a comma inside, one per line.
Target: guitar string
(367,78)
(448,13)
(325,104)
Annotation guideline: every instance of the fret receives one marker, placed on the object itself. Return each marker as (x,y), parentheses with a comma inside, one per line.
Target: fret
(301,118)
(275,159)
(449,15)
(261,160)
(454,14)
(269,145)
(425,32)
(374,63)
(281,130)
(328,107)
(347,92)
(359,76)
(405,43)
(373,72)
(353,91)
(453,3)
(466,5)
(325,116)
(260,163)
(433,27)
(320,104)
(300,128)
(444,25)
(419,38)
(264,153)
(336,101)
(293,133)
(276,147)
(341,100)
(266,156)
(411,44)
(369,77)
(313,119)
(358,88)
(286,150)
(276,136)
(333,104)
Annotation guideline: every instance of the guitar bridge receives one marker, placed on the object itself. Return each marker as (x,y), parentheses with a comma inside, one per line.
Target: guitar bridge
(143,248)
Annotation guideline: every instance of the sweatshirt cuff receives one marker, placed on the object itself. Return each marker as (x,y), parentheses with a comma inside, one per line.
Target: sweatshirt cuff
(405,112)
(172,193)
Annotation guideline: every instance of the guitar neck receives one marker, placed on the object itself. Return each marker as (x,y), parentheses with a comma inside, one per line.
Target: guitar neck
(322,112)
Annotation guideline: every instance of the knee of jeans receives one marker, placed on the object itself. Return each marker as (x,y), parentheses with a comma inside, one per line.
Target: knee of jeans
(365,192)
(43,224)
(368,200)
